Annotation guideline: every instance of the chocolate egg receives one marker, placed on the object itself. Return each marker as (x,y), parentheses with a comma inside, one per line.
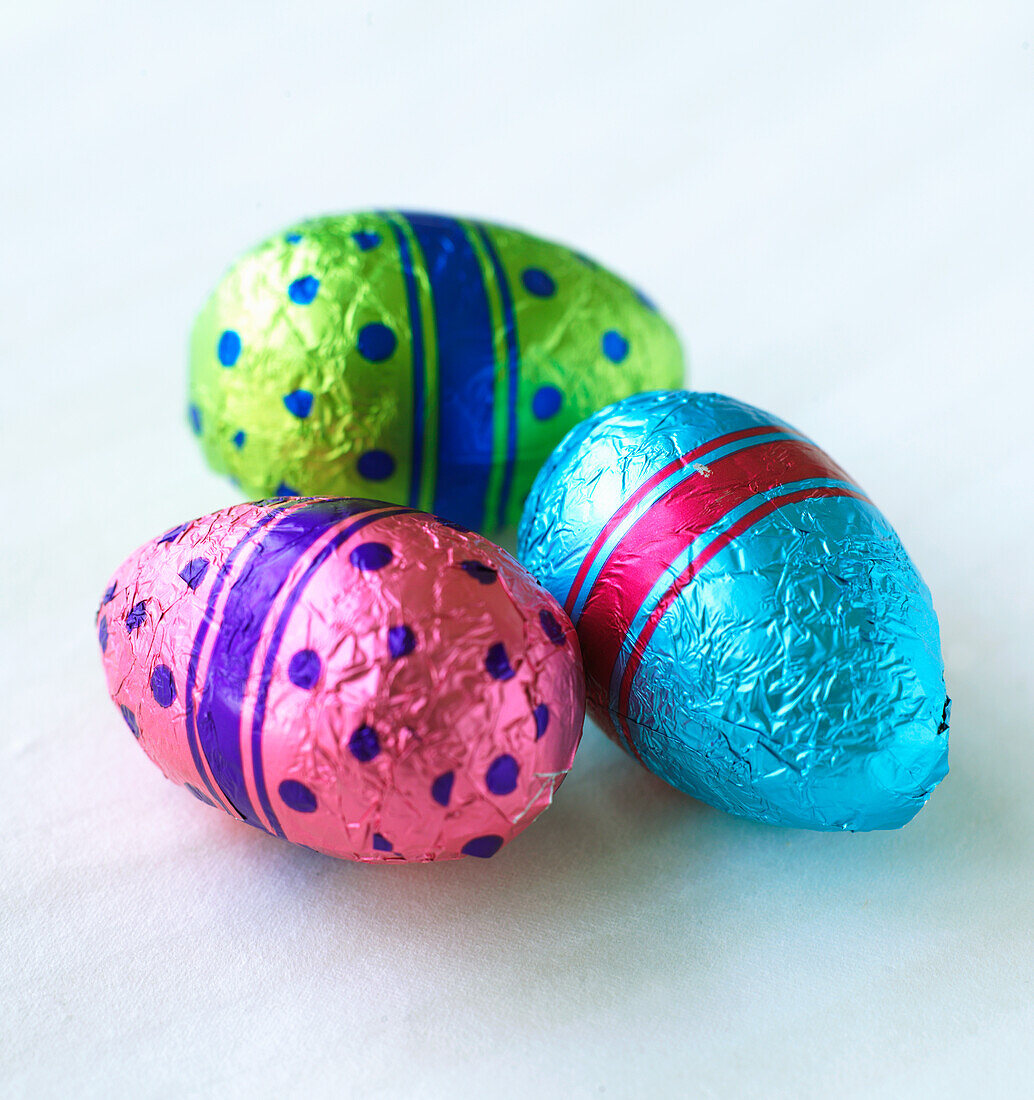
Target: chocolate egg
(751,627)
(425,360)
(353,676)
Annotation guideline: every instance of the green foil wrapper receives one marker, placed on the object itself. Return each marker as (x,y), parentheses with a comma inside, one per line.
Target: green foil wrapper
(419,359)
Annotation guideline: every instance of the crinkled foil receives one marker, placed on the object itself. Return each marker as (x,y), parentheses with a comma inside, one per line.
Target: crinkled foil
(752,629)
(424,360)
(353,676)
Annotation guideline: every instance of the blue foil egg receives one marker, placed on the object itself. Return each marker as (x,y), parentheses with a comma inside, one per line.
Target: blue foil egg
(752,629)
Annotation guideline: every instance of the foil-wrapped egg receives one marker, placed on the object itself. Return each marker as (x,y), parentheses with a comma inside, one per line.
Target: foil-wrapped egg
(425,360)
(356,677)
(752,629)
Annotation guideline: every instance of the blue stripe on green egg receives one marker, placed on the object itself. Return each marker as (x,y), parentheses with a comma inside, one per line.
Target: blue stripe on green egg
(421,359)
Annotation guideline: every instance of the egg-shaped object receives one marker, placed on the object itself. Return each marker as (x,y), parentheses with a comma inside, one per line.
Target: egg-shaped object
(752,629)
(356,677)
(425,360)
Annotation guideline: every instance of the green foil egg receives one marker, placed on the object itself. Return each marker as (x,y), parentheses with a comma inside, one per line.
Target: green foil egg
(414,358)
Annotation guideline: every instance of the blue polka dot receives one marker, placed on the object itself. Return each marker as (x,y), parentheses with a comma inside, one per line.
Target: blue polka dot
(238,440)
(193,573)
(304,669)
(109,593)
(441,788)
(366,240)
(546,402)
(483,847)
(174,534)
(376,342)
(163,687)
(498,663)
(198,795)
(382,844)
(370,556)
(292,238)
(297,796)
(483,574)
(554,631)
(538,282)
(102,634)
(364,744)
(194,414)
(135,617)
(401,641)
(376,465)
(130,719)
(501,777)
(299,403)
(229,348)
(303,290)
(615,346)
(285,490)
(541,713)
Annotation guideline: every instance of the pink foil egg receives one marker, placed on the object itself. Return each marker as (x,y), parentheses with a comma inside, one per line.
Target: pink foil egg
(357,677)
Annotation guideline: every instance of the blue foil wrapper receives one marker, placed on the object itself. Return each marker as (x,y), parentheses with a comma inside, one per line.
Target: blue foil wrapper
(752,628)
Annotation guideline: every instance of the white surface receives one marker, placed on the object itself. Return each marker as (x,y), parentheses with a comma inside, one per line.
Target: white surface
(834,202)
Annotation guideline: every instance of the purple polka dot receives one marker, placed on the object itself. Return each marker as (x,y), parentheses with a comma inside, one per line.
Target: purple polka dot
(615,346)
(102,634)
(441,788)
(376,342)
(194,415)
(238,439)
(538,282)
(229,348)
(501,777)
(364,744)
(376,465)
(304,669)
(541,713)
(370,556)
(109,593)
(285,490)
(136,616)
(298,403)
(382,844)
(483,574)
(171,536)
(130,719)
(198,795)
(302,291)
(366,240)
(193,573)
(483,847)
(297,796)
(401,641)
(546,402)
(498,663)
(163,687)
(554,631)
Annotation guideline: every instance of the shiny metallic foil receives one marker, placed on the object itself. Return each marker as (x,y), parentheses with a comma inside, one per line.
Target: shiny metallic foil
(425,360)
(752,629)
(347,674)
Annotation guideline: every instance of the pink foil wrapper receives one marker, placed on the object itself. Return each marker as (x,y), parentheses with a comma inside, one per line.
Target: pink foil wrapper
(356,677)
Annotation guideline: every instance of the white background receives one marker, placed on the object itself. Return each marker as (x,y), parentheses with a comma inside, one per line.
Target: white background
(834,203)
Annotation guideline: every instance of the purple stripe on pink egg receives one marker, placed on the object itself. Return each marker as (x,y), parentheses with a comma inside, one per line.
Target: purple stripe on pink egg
(202,634)
(244,615)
